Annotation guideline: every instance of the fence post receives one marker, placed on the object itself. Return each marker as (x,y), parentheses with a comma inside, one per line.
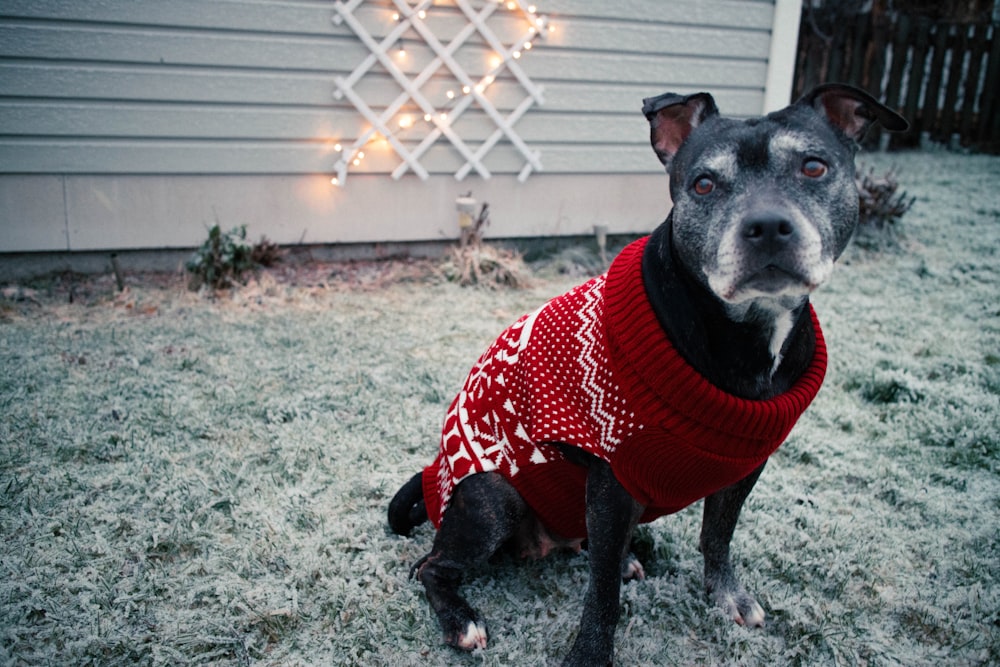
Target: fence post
(958,44)
(875,70)
(929,117)
(988,133)
(914,83)
(977,50)
(862,38)
(900,57)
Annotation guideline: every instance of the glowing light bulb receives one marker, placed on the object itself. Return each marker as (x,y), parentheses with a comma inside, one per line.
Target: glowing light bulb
(532,9)
(405,122)
(338,147)
(395,16)
(528,46)
(516,55)
(427,117)
(334,181)
(422,14)
(361,155)
(511,6)
(450,94)
(357,161)
(466,90)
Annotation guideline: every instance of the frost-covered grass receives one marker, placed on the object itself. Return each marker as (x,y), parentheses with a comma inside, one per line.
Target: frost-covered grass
(189,481)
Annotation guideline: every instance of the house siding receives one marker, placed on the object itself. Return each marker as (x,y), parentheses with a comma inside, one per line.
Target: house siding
(121,116)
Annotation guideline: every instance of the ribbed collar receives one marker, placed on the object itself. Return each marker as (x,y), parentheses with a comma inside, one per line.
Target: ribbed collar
(657,378)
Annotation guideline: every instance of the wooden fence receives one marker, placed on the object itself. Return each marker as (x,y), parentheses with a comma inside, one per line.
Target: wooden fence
(944,77)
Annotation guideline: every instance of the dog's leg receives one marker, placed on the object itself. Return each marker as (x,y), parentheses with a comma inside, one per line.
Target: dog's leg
(484,512)
(722,509)
(611,516)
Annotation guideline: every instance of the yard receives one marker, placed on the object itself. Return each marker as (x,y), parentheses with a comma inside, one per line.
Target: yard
(194,480)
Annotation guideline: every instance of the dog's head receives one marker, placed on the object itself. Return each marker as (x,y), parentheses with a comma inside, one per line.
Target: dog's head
(763,206)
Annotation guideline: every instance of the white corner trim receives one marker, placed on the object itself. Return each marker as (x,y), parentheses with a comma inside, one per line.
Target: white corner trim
(781,59)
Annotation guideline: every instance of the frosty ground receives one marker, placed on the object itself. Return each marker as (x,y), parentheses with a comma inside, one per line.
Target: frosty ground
(193,480)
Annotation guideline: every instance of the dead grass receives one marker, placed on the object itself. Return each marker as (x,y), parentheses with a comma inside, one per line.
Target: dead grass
(203,478)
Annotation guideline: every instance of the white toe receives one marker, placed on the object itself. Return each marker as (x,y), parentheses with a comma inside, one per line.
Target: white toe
(633,570)
(474,637)
(755,619)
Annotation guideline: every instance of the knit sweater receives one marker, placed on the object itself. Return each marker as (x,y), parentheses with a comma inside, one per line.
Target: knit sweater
(594,369)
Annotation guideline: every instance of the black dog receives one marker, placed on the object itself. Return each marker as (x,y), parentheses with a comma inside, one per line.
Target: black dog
(669,379)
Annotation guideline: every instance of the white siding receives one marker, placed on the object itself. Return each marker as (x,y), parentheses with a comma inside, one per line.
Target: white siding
(114,98)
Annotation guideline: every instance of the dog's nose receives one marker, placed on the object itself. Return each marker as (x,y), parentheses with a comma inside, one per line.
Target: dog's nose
(768,231)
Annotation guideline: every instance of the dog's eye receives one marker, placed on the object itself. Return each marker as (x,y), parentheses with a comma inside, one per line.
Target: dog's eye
(813,168)
(703,185)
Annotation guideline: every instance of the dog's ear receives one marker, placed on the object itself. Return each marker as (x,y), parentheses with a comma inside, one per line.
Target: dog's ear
(672,117)
(852,110)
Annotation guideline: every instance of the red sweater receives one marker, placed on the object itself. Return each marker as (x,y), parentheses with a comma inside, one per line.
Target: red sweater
(593,368)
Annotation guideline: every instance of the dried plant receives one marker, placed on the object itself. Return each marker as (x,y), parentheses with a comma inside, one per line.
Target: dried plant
(473,262)
(266,252)
(485,266)
(880,203)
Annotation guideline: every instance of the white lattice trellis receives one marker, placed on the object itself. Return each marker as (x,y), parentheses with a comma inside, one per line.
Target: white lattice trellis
(412,19)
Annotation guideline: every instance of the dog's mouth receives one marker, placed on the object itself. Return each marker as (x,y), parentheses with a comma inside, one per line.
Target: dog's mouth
(775,280)
(769,280)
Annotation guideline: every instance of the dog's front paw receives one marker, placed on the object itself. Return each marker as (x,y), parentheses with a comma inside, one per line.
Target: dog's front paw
(740,607)
(468,638)
(632,569)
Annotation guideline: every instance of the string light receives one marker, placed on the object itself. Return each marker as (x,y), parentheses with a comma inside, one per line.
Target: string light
(538,26)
